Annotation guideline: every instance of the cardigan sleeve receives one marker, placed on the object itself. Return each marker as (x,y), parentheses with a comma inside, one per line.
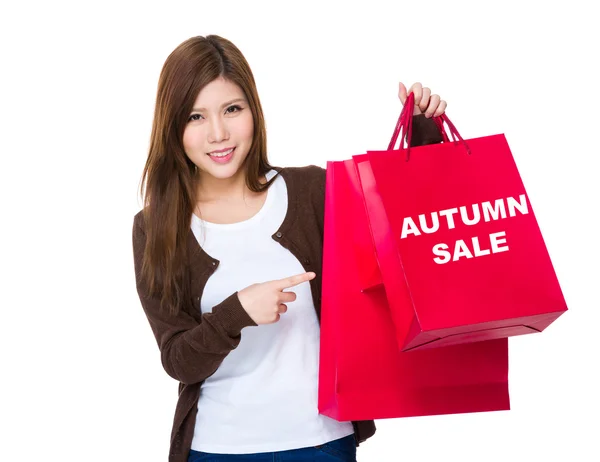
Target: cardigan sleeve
(424,131)
(190,350)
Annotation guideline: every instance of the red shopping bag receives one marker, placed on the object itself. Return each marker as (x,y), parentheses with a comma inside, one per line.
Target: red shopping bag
(363,246)
(459,249)
(364,249)
(362,374)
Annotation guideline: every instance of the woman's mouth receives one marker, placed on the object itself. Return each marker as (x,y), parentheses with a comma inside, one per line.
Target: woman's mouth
(222,157)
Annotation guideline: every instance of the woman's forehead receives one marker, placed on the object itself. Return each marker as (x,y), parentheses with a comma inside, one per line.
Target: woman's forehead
(217,94)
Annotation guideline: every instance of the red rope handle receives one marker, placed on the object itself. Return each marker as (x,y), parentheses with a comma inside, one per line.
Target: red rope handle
(404,125)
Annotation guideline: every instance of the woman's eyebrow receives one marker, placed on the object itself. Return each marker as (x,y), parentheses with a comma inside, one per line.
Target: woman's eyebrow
(199,109)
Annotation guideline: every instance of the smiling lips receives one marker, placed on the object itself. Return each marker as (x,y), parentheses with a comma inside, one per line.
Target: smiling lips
(223,156)
(221,152)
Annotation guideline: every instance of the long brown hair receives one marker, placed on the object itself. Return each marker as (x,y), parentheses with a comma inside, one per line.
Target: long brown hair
(169,176)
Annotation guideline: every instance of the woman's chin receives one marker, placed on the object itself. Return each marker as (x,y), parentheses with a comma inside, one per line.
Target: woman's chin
(221,172)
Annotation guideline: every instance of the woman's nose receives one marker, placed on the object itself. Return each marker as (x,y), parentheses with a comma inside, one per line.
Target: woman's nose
(217,131)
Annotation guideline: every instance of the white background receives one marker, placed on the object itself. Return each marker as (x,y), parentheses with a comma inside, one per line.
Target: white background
(82,378)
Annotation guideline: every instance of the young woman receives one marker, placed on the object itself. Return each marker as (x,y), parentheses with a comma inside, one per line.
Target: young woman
(224,243)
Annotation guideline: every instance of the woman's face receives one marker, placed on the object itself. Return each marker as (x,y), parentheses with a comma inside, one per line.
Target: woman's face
(220,120)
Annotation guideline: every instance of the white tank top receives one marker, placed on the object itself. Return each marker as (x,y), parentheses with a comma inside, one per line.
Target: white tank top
(263,397)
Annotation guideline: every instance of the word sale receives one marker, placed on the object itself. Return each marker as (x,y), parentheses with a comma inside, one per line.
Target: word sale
(496,242)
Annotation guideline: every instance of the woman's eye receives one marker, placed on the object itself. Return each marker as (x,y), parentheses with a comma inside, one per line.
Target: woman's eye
(229,110)
(237,108)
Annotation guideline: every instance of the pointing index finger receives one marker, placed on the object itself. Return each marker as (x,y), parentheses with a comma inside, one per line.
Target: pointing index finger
(293,281)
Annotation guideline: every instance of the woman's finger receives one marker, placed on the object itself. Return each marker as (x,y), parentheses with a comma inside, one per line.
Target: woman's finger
(440,109)
(434,102)
(417,89)
(424,103)
(282,308)
(402,93)
(287,297)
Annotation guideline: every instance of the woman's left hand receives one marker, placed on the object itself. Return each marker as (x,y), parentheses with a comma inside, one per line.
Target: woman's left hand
(425,102)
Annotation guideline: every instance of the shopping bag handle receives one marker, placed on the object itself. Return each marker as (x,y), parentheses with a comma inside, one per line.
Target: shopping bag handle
(404,127)
(402,122)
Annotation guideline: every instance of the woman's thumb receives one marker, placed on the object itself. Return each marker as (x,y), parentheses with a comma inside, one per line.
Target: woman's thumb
(402,93)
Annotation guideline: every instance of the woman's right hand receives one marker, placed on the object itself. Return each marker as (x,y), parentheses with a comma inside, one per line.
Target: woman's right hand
(425,102)
(265,302)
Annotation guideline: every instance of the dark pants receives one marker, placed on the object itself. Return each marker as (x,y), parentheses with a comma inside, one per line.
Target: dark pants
(343,450)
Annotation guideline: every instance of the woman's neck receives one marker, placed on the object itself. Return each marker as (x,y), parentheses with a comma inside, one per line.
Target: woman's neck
(211,189)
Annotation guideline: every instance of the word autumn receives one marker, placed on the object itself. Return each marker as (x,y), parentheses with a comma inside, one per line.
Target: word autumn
(485,210)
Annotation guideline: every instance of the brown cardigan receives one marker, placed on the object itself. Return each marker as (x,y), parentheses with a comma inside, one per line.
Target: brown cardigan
(193,345)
